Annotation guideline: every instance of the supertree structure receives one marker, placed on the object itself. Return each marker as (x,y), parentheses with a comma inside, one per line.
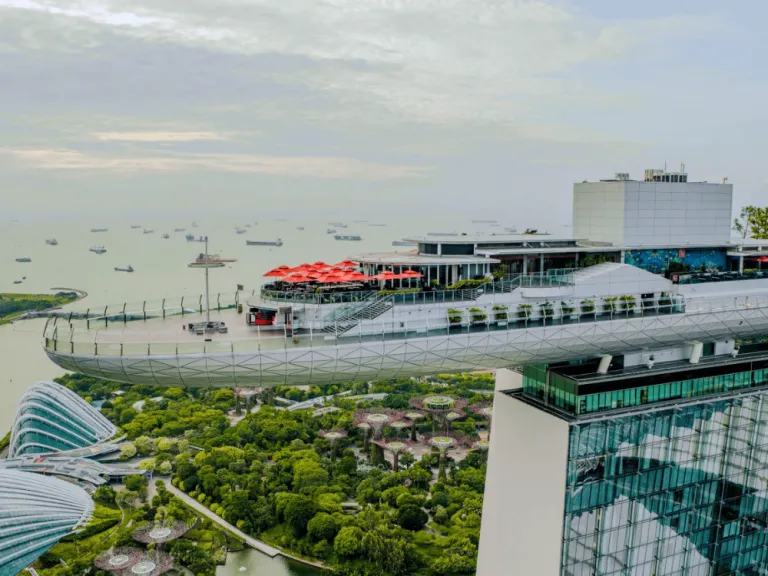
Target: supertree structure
(414,417)
(119,560)
(443,441)
(482,446)
(451,416)
(439,406)
(485,410)
(152,563)
(333,437)
(398,426)
(245,394)
(395,446)
(159,533)
(366,428)
(377,419)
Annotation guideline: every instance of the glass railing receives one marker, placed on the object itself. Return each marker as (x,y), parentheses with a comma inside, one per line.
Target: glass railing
(75,338)
(707,277)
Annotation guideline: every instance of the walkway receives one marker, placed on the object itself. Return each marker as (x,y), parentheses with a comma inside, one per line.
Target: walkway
(253,543)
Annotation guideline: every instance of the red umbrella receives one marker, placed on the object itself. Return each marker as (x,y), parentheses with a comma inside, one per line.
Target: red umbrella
(356,276)
(386,275)
(296,278)
(277,272)
(320,264)
(762,259)
(411,274)
(346,264)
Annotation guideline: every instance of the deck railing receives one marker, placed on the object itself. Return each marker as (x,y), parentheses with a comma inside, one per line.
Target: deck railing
(75,338)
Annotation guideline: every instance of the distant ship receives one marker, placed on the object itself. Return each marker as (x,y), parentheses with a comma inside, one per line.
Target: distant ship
(129,268)
(149,231)
(52,242)
(331,231)
(350,237)
(17,281)
(403,243)
(338,224)
(193,238)
(179,229)
(97,249)
(241,231)
(299,227)
(484,221)
(166,236)
(377,225)
(99,229)
(212,259)
(135,226)
(277,242)
(24,259)
(442,233)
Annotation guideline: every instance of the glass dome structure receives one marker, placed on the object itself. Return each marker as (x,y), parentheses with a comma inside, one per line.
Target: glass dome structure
(52,418)
(35,512)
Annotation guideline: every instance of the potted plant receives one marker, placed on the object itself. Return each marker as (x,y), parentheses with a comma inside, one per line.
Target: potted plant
(477,315)
(628,303)
(454,316)
(610,304)
(500,313)
(524,311)
(546,309)
(588,306)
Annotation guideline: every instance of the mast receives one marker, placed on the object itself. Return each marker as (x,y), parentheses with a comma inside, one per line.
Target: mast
(207,297)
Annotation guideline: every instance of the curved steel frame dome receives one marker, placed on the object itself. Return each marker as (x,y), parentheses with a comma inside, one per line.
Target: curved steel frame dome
(52,418)
(35,512)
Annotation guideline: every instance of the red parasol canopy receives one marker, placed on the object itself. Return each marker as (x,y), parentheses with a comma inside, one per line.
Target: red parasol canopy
(277,272)
(297,277)
(411,274)
(346,264)
(386,275)
(320,264)
(762,259)
(354,275)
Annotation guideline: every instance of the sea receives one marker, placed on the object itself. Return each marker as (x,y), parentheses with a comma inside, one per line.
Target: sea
(161,272)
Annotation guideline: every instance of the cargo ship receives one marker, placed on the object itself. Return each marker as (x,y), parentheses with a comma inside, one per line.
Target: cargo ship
(277,242)
(348,237)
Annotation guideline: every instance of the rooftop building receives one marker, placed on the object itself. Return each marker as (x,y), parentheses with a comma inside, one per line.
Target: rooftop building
(52,418)
(35,513)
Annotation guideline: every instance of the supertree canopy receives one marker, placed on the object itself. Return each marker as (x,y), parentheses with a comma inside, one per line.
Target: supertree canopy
(483,409)
(160,532)
(443,441)
(395,446)
(399,426)
(333,437)
(414,417)
(152,563)
(376,419)
(119,560)
(439,406)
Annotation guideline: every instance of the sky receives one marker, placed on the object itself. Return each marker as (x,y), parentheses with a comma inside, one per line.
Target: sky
(483,107)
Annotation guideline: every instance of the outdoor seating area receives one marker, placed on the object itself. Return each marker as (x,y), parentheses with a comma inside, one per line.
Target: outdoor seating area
(704,277)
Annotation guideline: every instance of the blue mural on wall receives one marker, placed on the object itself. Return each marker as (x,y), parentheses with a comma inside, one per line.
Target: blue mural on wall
(658,261)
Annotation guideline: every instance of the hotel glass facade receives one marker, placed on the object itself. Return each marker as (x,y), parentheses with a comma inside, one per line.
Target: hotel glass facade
(675,489)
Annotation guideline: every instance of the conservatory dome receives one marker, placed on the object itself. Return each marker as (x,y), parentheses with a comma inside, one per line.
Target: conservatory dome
(36,512)
(52,418)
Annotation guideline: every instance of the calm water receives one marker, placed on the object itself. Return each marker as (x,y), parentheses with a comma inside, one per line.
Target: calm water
(161,271)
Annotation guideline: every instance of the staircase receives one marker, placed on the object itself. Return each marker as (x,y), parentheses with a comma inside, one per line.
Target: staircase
(338,324)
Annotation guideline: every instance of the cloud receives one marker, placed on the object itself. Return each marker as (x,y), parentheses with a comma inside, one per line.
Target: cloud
(157,136)
(432,61)
(67,160)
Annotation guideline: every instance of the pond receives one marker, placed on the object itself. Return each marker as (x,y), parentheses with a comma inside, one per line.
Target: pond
(257,563)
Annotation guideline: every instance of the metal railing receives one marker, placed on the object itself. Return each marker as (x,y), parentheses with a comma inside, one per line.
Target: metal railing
(74,338)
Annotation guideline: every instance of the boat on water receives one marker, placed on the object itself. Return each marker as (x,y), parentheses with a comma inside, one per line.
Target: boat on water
(347,237)
(52,242)
(17,281)
(331,231)
(135,226)
(203,258)
(99,229)
(24,259)
(277,242)
(299,227)
(149,231)
(193,238)
(97,249)
(403,243)
(128,268)
(241,231)
(179,229)
(338,224)
(166,236)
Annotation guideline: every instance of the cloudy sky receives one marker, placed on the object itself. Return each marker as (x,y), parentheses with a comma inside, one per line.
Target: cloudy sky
(481,106)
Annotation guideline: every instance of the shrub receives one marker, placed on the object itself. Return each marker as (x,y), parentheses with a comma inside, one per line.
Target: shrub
(609,303)
(477,314)
(500,312)
(349,541)
(546,309)
(566,309)
(455,315)
(628,302)
(587,306)
(524,310)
